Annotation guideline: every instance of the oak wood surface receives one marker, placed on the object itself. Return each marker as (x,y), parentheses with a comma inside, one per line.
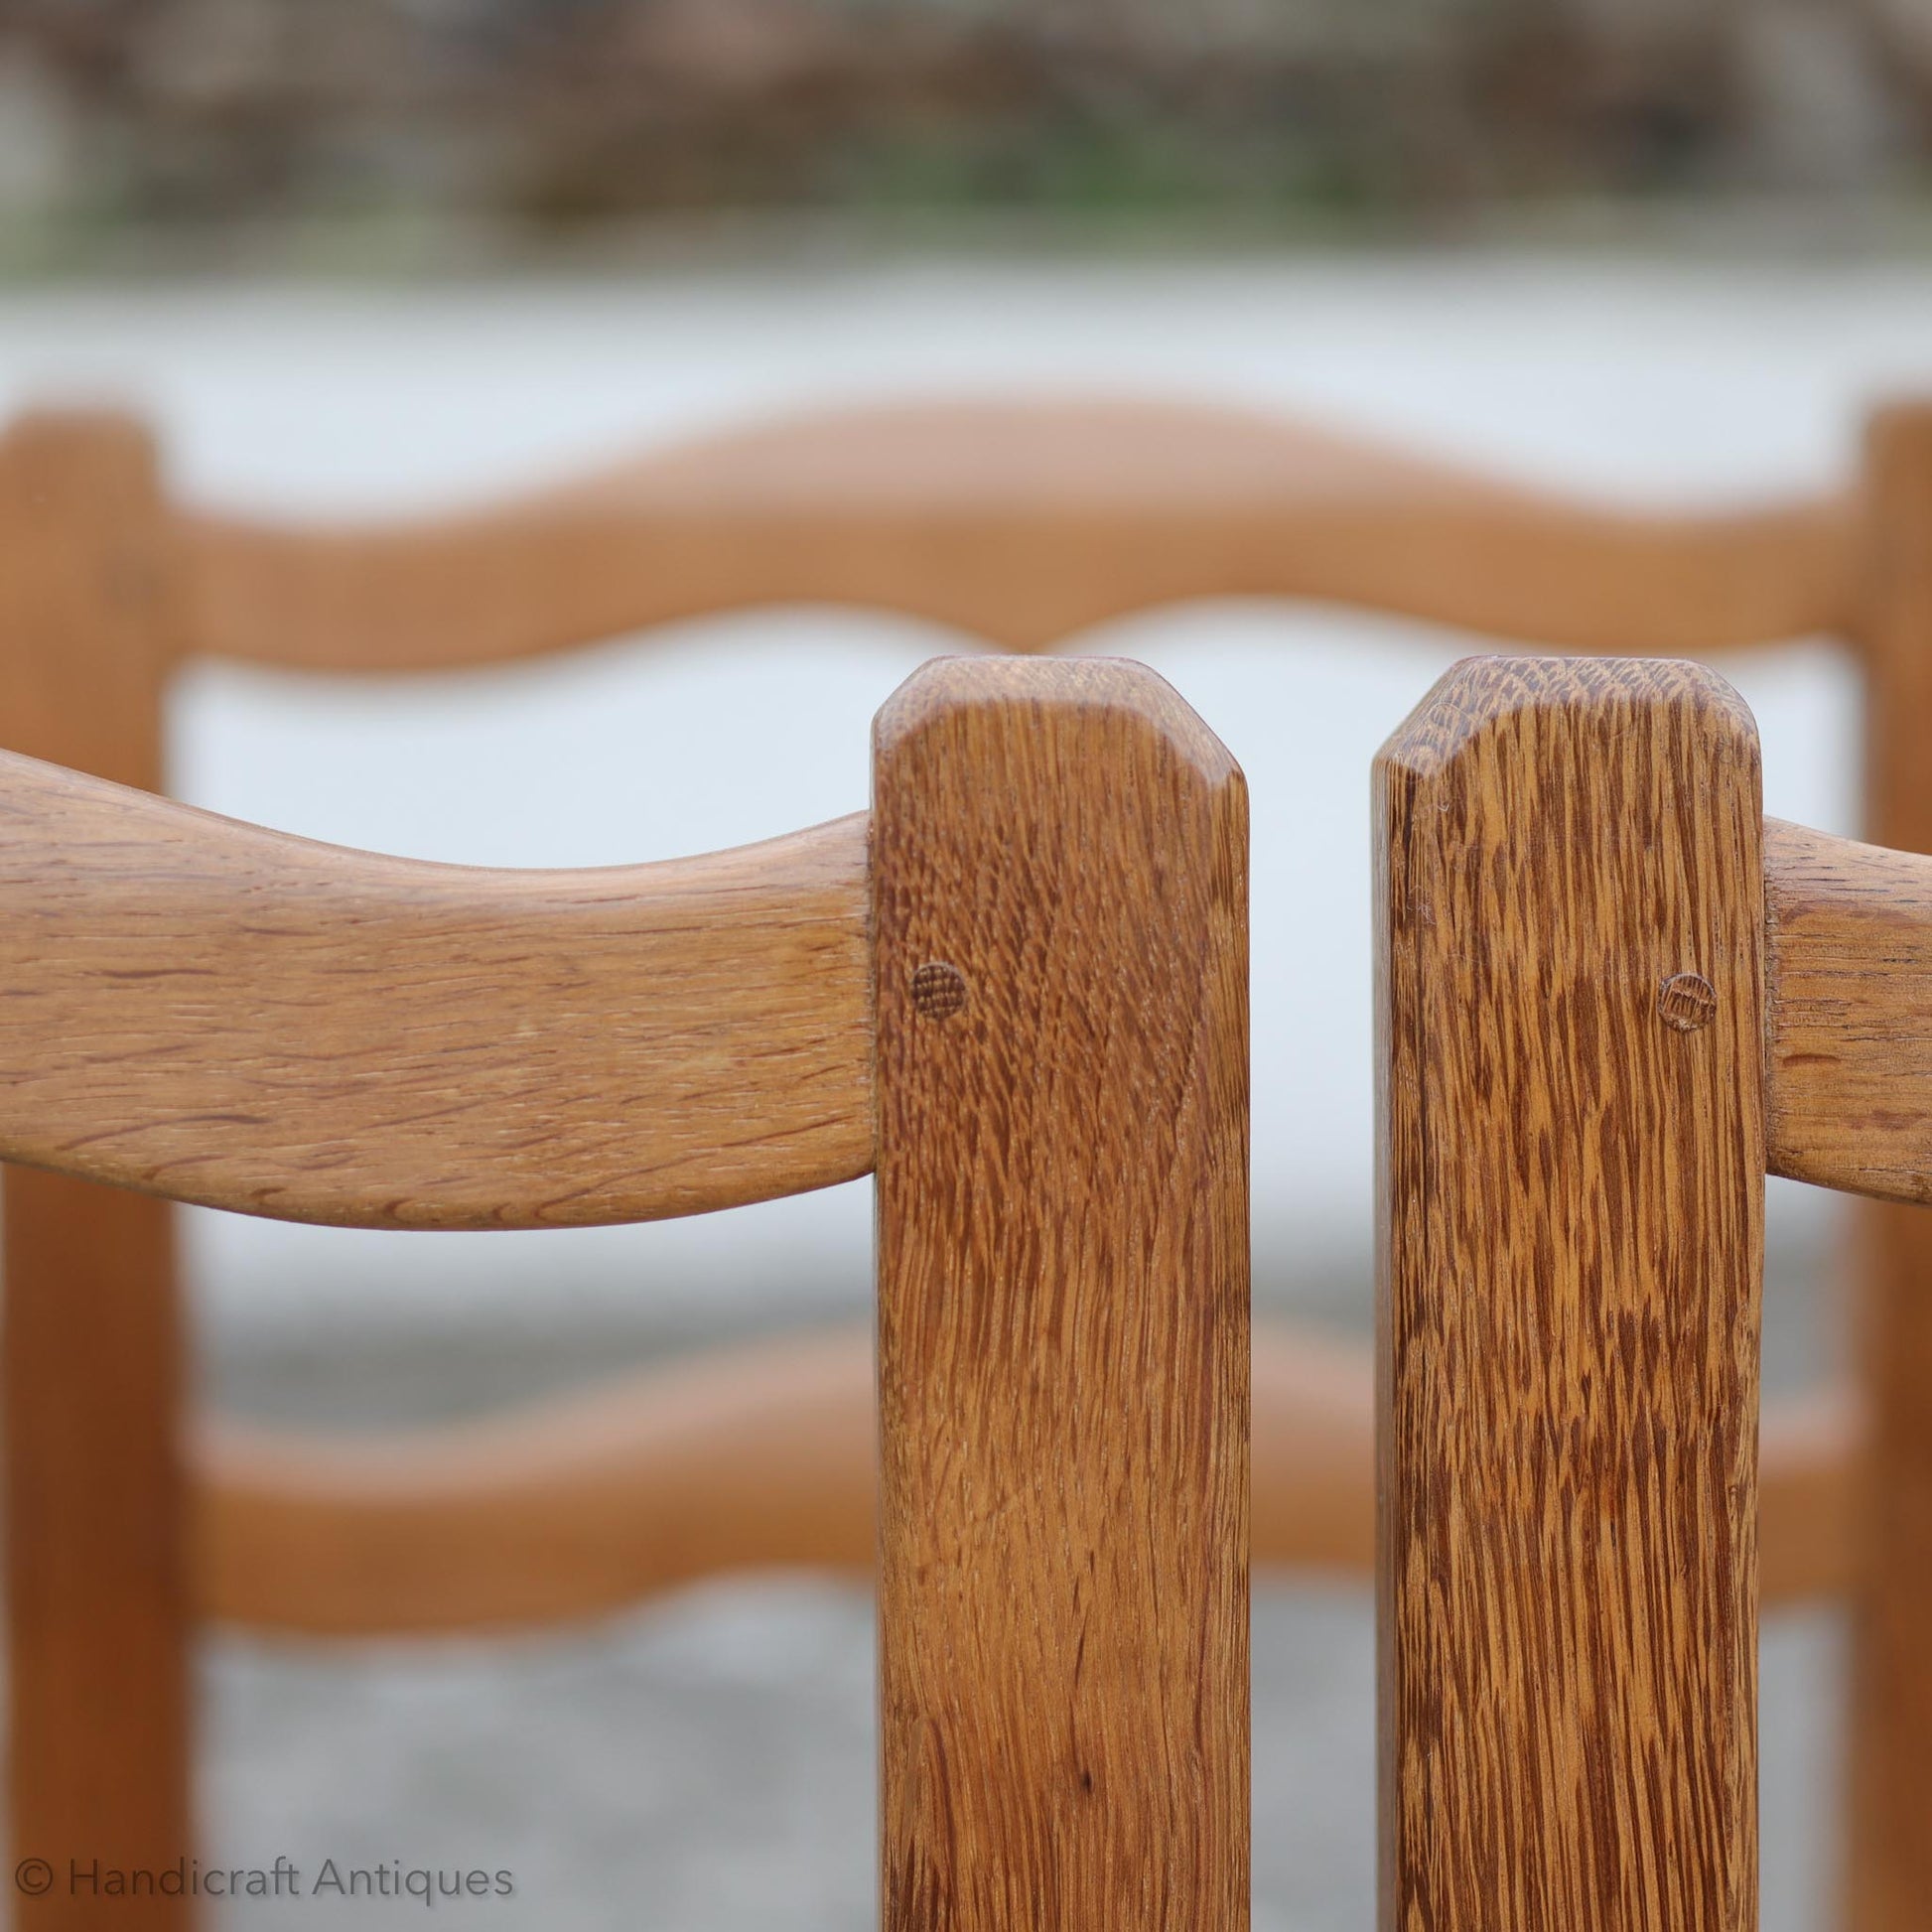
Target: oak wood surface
(1888,1840)
(1849,1089)
(253,1021)
(99,1720)
(1060,930)
(1018,521)
(1572,1156)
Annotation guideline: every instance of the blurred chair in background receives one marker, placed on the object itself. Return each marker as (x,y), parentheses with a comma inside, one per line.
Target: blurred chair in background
(1019,524)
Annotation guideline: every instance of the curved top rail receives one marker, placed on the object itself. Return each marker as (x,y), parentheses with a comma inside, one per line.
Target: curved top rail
(233,1016)
(1848,930)
(1021,523)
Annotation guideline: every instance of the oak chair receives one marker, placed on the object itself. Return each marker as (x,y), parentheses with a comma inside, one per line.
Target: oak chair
(1612,997)
(207,1012)
(1019,524)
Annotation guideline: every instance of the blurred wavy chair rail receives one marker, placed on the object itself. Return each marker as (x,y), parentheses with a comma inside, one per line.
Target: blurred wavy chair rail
(1613,997)
(219,1013)
(1019,524)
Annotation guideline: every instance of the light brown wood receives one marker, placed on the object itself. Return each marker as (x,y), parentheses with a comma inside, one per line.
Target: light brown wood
(1060,930)
(1572,1156)
(1312,1462)
(99,1720)
(254,1021)
(1850,1093)
(1018,523)
(1890,1837)
(1809,1494)
(762,1458)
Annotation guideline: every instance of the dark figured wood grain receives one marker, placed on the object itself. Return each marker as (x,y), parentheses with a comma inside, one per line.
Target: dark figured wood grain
(1888,1840)
(1572,1253)
(99,1723)
(228,1016)
(1062,1306)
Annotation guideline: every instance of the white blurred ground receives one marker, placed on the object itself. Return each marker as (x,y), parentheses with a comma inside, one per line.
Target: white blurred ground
(707,1765)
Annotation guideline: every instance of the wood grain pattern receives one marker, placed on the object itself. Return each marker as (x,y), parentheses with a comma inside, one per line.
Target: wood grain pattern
(99,1723)
(1572,1251)
(1062,1306)
(762,1456)
(1848,1099)
(1890,1837)
(253,1021)
(1018,523)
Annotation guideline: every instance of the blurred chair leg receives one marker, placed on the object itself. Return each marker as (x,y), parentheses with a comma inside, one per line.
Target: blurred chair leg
(101,1723)
(96,1570)
(1888,1851)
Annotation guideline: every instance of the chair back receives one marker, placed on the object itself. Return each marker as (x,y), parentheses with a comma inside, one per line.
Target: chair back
(1017,991)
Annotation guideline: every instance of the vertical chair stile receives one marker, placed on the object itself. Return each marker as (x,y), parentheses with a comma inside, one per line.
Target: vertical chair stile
(100,1720)
(1059,891)
(1572,1145)
(1888,1817)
